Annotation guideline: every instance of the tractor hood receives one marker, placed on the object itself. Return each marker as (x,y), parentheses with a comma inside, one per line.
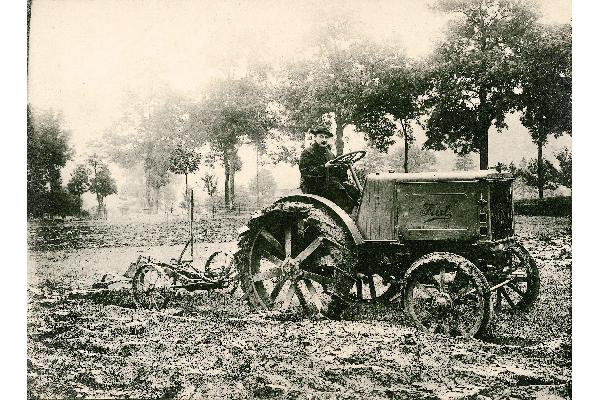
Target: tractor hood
(454,176)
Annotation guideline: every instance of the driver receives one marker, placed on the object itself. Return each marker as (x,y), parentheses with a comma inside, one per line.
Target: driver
(313,173)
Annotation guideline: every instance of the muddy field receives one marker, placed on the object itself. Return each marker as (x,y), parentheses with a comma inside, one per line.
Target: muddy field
(210,345)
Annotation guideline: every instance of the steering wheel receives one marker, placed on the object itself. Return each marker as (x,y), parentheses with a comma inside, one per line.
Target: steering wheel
(346,159)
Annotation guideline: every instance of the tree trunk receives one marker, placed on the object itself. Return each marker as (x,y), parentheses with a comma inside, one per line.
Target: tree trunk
(157,201)
(100,205)
(483,123)
(232,186)
(405,155)
(483,150)
(186,191)
(339,137)
(227,174)
(148,191)
(540,168)
(406,144)
(257,183)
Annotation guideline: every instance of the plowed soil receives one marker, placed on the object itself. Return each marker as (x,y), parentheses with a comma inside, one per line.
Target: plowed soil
(84,344)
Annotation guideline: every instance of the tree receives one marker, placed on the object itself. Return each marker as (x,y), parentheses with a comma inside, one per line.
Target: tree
(184,161)
(234,111)
(79,183)
(102,183)
(546,86)
(531,177)
(419,160)
(390,106)
(327,85)
(565,163)
(47,153)
(473,74)
(210,184)
(236,166)
(148,133)
(265,186)
(464,162)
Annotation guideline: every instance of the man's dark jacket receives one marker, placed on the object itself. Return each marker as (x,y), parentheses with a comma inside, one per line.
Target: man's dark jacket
(313,171)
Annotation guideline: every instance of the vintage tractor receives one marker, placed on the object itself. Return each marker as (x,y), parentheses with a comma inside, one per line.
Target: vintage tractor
(441,244)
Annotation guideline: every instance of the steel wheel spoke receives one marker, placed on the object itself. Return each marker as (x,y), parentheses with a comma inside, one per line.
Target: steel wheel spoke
(442,273)
(288,297)
(263,276)
(372,287)
(272,259)
(507,298)
(301,228)
(516,288)
(345,273)
(309,250)
(288,242)
(323,280)
(316,300)
(359,289)
(302,298)
(498,299)
(465,292)
(278,286)
(272,241)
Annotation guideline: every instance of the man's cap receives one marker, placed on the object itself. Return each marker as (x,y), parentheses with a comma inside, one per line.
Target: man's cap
(321,130)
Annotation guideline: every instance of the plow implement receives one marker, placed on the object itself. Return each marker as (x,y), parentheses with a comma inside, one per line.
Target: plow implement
(154,282)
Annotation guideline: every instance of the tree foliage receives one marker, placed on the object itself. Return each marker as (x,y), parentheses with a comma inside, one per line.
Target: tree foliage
(546,87)
(546,82)
(328,84)
(531,177)
(184,161)
(474,73)
(264,185)
(464,162)
(565,170)
(47,153)
(391,104)
(79,184)
(234,111)
(210,183)
(102,184)
(149,132)
(80,180)
(419,160)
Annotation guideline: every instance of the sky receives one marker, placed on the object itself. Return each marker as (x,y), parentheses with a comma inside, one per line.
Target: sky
(86,55)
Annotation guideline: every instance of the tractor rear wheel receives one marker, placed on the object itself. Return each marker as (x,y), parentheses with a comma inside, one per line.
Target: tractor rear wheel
(446,293)
(297,259)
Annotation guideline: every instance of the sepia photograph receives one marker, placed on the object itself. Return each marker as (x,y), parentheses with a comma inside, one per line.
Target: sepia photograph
(303,199)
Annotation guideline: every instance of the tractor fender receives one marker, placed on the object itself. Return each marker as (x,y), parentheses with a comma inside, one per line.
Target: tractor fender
(339,214)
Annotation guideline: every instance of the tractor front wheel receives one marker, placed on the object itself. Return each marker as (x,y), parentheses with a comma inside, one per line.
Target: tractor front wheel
(446,293)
